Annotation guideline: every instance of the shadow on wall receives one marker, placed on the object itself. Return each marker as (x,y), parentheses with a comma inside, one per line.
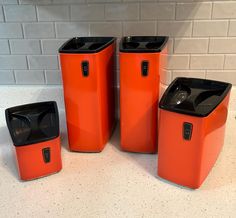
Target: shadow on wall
(31,94)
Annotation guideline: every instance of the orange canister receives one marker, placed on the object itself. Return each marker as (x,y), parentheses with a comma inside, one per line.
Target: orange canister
(192,119)
(34,129)
(88,72)
(140,66)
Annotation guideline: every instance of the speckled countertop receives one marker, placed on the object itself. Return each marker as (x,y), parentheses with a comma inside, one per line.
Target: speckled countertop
(115,184)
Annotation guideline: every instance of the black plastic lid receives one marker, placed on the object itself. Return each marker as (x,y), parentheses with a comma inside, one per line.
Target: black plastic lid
(143,44)
(33,123)
(86,44)
(196,97)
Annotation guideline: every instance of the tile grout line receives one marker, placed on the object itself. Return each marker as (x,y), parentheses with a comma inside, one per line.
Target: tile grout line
(45,78)
(27,62)
(14,76)
(175,12)
(3,13)
(22,25)
(41,46)
(8,41)
(36,13)
(224,61)
(189,61)
(139,9)
(208,45)
(212,5)
(227,35)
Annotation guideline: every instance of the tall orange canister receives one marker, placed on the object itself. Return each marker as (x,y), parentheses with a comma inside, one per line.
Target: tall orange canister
(140,68)
(34,129)
(192,119)
(88,66)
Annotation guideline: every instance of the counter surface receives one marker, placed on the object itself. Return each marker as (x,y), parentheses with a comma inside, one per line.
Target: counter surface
(115,184)
(111,183)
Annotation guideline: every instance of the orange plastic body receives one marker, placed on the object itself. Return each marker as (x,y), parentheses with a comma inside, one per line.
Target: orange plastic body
(186,162)
(31,164)
(139,96)
(89,101)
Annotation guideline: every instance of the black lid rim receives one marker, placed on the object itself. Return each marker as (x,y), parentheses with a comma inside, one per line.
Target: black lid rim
(158,50)
(36,141)
(7,112)
(186,112)
(76,51)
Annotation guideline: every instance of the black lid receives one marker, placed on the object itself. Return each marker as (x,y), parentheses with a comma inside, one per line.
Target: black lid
(86,44)
(143,44)
(197,97)
(33,123)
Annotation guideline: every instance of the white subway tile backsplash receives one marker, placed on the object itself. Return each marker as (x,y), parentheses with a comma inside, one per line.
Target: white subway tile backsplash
(104,1)
(25,77)
(122,11)
(191,45)
(51,46)
(222,75)
(71,29)
(20,13)
(87,12)
(165,77)
(1,14)
(210,28)
(189,11)
(223,45)
(38,62)
(178,62)
(53,77)
(38,30)
(187,1)
(10,62)
(160,11)
(189,73)
(230,62)
(203,62)
(106,29)
(67,1)
(139,28)
(7,77)
(35,2)
(202,34)
(4,47)
(174,28)
(53,12)
(6,2)
(232,28)
(224,9)
(10,30)
(25,46)
(170,46)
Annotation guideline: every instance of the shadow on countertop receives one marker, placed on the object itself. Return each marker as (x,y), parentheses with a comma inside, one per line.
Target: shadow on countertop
(7,152)
(222,174)
(146,161)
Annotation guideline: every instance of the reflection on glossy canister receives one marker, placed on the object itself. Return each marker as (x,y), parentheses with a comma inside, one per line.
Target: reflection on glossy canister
(191,135)
(140,65)
(32,160)
(88,78)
